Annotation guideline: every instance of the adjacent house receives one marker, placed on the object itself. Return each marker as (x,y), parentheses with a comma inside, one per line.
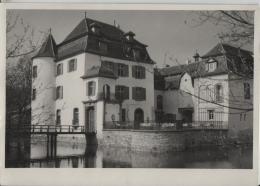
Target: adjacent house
(215,89)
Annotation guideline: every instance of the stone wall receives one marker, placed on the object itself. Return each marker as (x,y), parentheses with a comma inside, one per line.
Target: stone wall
(162,141)
(117,138)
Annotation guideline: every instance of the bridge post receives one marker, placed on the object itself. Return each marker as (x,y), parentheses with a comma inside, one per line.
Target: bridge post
(51,145)
(91,139)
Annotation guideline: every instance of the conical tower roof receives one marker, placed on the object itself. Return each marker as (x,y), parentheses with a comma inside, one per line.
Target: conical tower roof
(48,48)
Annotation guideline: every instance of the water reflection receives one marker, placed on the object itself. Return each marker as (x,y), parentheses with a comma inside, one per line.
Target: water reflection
(78,156)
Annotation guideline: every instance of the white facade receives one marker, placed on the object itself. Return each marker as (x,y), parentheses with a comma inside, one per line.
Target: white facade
(174,100)
(205,89)
(75,95)
(43,107)
(240,120)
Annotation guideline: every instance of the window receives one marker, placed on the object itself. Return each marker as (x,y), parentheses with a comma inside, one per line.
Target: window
(211,65)
(158,116)
(34,72)
(170,117)
(102,47)
(110,65)
(58,117)
(106,92)
(159,102)
(139,93)
(72,65)
(219,93)
(136,54)
(34,94)
(91,88)
(128,51)
(59,92)
(95,28)
(59,69)
(121,92)
(240,116)
(246,90)
(122,70)
(75,120)
(244,116)
(123,115)
(211,114)
(138,72)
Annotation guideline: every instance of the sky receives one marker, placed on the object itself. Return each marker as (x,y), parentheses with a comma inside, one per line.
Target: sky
(170,35)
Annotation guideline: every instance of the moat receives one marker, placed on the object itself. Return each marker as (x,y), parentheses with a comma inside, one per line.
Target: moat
(78,156)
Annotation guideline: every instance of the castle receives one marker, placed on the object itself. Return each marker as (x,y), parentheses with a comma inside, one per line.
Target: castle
(101,75)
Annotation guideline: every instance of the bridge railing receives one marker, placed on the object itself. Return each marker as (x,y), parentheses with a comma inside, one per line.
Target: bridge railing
(47,128)
(177,125)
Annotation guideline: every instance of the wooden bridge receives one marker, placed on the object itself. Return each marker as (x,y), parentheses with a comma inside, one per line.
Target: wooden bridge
(52,131)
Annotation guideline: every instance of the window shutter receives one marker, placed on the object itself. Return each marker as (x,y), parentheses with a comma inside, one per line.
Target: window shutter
(134,93)
(75,64)
(68,66)
(125,70)
(61,68)
(134,71)
(115,68)
(143,72)
(126,92)
(94,88)
(87,89)
(61,94)
(117,92)
(143,94)
(57,93)
(54,93)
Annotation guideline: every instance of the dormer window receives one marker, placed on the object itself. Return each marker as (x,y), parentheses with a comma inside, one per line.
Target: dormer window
(128,51)
(129,36)
(102,46)
(95,28)
(136,54)
(211,65)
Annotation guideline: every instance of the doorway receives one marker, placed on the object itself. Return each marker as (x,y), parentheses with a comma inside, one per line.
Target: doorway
(186,114)
(90,119)
(138,118)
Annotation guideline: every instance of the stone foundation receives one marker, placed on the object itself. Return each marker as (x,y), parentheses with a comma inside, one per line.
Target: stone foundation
(162,141)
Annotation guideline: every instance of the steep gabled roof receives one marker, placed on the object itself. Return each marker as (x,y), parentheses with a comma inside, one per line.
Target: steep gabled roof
(99,71)
(80,30)
(48,48)
(84,39)
(84,27)
(191,68)
(229,60)
(173,82)
(226,49)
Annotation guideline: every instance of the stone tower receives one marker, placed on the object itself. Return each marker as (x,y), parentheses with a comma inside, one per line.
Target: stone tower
(43,84)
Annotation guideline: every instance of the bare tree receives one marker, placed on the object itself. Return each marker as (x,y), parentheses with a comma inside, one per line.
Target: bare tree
(21,45)
(18,89)
(19,36)
(238,25)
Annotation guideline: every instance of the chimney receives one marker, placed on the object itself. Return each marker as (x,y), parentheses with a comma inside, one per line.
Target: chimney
(196,56)
(188,61)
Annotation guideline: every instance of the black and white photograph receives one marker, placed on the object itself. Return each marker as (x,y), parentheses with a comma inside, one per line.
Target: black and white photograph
(129,89)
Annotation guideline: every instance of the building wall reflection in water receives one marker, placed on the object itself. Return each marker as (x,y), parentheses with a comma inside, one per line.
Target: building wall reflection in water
(77,155)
